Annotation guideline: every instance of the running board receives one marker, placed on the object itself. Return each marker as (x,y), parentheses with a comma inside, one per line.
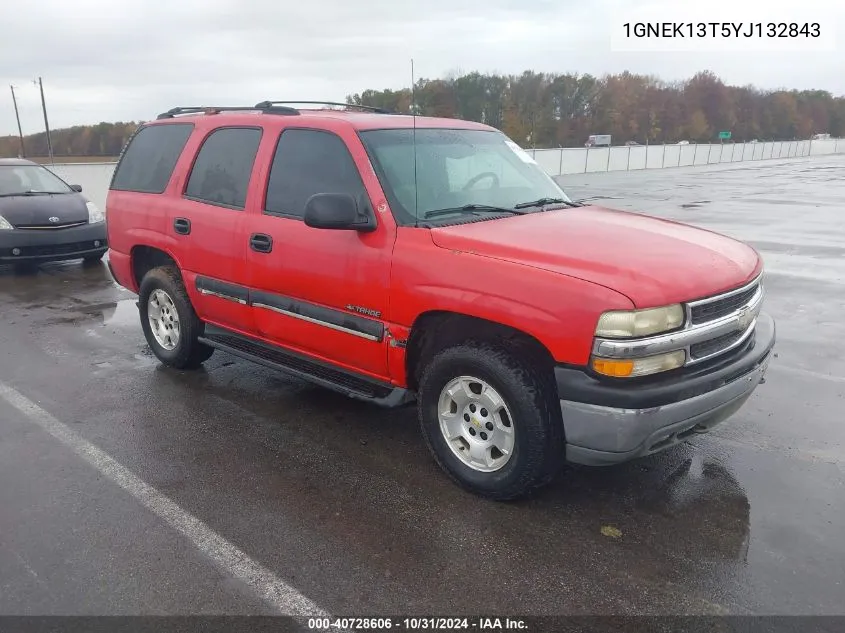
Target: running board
(348,383)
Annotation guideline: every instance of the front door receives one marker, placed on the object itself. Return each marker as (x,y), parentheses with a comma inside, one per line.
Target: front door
(318,291)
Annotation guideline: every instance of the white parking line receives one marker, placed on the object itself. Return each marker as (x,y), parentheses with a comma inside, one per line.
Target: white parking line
(274,591)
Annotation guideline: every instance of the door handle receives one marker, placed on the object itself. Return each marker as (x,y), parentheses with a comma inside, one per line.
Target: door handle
(261,242)
(182,226)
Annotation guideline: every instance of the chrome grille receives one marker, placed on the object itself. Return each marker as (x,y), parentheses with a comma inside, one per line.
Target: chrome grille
(714,345)
(718,308)
(728,306)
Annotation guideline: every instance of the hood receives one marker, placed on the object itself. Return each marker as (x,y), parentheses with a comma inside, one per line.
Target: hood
(651,261)
(37,210)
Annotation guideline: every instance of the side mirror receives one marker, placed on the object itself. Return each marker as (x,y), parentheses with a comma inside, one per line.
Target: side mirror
(337,211)
(77,188)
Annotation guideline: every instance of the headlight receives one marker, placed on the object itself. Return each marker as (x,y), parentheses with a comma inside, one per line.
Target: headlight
(94,213)
(636,323)
(631,368)
(4,224)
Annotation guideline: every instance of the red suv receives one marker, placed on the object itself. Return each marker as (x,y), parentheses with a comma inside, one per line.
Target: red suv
(402,259)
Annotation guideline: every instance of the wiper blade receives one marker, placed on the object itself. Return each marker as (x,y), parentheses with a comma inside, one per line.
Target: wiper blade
(29,192)
(483,208)
(542,202)
(25,193)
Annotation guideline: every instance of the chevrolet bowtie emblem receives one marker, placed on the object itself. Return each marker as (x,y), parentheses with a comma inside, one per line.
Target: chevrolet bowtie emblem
(744,318)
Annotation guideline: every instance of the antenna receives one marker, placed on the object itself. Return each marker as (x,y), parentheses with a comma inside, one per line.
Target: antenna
(414,143)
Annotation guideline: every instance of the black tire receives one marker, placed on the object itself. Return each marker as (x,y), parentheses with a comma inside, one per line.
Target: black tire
(188,353)
(531,397)
(90,260)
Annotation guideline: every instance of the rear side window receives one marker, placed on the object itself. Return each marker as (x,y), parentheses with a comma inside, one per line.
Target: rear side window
(223,167)
(309,162)
(149,159)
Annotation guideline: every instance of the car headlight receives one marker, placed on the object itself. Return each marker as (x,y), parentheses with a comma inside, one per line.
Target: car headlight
(631,368)
(4,224)
(637,323)
(94,213)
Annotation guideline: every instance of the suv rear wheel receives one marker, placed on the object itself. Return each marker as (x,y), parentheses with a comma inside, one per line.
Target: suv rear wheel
(170,324)
(491,420)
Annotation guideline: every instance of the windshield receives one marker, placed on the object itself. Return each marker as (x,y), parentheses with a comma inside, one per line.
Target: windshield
(454,169)
(17,180)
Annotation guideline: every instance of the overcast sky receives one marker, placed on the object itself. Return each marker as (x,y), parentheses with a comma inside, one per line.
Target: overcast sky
(120,60)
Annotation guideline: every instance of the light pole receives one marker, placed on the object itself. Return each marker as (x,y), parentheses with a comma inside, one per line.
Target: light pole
(46,124)
(18,118)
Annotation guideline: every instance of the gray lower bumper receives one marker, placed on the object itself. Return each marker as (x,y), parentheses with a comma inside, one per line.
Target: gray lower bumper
(598,435)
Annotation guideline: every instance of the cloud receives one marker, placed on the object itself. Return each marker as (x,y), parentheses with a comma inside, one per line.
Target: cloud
(130,59)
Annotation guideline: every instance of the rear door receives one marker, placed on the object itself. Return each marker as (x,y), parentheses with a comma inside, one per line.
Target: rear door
(209,223)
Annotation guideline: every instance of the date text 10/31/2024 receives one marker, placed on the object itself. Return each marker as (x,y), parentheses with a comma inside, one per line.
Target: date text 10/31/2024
(724,30)
(418,623)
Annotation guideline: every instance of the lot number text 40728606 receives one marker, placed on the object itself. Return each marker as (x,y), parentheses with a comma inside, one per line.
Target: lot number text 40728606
(418,623)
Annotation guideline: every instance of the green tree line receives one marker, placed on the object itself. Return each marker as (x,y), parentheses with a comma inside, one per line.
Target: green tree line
(556,110)
(102,139)
(561,110)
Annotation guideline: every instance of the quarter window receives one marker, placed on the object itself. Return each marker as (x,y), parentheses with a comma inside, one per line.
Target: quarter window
(223,167)
(148,160)
(309,162)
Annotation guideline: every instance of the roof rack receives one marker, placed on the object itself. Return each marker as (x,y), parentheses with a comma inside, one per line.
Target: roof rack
(265,107)
(268,104)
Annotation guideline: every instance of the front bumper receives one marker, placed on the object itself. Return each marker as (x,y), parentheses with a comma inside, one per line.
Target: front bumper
(52,245)
(608,423)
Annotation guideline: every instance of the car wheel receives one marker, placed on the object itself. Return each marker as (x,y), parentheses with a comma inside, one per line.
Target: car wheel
(491,420)
(90,260)
(170,324)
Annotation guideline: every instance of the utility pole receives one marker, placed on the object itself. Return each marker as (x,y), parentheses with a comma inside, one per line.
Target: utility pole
(46,124)
(18,118)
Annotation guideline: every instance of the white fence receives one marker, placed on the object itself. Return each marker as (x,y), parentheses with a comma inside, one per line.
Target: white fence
(95,177)
(578,160)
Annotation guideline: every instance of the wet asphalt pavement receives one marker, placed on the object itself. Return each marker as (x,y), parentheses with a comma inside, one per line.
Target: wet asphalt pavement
(341,501)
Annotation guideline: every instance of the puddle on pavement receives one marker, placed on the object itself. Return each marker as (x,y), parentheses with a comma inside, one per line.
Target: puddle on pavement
(678,504)
(121,313)
(704,494)
(124,313)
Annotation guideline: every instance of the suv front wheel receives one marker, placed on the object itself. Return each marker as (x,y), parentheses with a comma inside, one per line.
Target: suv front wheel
(170,324)
(491,420)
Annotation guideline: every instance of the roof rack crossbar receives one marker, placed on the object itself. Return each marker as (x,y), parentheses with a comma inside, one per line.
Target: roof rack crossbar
(266,104)
(267,109)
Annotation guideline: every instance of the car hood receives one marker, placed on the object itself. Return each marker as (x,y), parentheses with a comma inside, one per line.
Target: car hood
(37,210)
(651,261)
